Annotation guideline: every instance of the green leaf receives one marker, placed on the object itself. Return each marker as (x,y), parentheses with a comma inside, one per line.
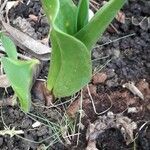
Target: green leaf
(70,67)
(66,17)
(98,24)
(55,62)
(9,46)
(51,8)
(83,14)
(74,69)
(62,13)
(20,74)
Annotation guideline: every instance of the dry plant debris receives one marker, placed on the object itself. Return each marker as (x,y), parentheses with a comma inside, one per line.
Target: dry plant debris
(126,125)
(24,25)
(41,93)
(28,44)
(73,108)
(143,22)
(130,86)
(10,101)
(120,17)
(9,5)
(4,82)
(12,132)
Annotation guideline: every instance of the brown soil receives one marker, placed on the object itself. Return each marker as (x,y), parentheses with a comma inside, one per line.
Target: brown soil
(130,62)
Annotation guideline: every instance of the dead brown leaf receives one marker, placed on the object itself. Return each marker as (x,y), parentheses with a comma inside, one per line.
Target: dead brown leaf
(144,87)
(42,93)
(73,108)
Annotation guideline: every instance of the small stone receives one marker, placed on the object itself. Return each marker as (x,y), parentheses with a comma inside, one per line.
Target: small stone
(148,107)
(99,78)
(95,54)
(132,110)
(112,83)
(42,130)
(26,123)
(116,53)
(148,65)
(110,73)
(1,141)
(44,20)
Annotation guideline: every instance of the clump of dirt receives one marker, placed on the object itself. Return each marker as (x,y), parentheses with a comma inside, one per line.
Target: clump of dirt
(111,139)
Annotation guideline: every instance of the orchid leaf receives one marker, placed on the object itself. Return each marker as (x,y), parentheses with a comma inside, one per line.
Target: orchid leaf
(20,74)
(98,24)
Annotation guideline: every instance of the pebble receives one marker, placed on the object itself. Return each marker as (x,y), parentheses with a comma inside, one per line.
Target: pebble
(112,83)
(132,110)
(148,107)
(110,73)
(1,141)
(42,131)
(26,123)
(116,53)
(99,78)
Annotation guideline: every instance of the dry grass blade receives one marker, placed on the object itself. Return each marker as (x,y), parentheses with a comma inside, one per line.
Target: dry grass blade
(12,132)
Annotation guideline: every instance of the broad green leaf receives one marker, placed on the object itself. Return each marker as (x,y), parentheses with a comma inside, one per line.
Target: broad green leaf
(66,17)
(83,14)
(51,8)
(20,74)
(75,71)
(70,67)
(98,24)
(9,46)
(55,62)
